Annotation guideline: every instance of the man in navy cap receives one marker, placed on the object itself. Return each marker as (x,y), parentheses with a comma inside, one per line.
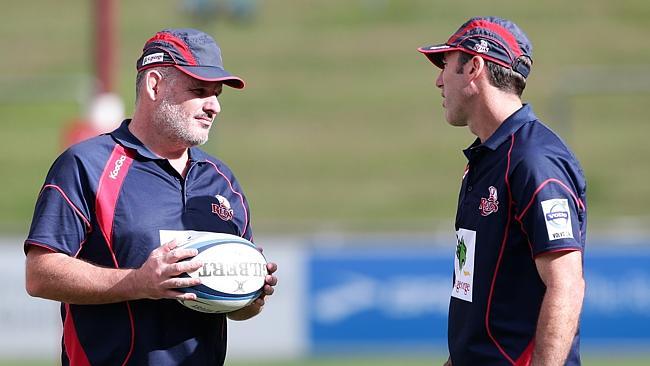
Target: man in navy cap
(96,242)
(520,226)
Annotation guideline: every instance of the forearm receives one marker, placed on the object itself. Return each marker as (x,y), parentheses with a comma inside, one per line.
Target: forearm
(558,323)
(62,278)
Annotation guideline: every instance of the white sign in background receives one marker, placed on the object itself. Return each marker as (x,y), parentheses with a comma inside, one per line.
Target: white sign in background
(30,328)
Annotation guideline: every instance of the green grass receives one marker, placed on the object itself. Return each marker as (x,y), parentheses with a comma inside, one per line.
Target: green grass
(340,126)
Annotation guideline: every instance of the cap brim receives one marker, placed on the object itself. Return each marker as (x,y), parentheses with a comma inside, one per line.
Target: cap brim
(207,73)
(435,52)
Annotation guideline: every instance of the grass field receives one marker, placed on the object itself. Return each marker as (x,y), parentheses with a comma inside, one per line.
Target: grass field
(608,361)
(340,127)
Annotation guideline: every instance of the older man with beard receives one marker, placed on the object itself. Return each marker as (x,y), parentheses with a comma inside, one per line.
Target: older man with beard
(95,242)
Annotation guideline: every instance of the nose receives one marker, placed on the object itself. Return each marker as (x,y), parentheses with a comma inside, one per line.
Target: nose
(439,80)
(212,105)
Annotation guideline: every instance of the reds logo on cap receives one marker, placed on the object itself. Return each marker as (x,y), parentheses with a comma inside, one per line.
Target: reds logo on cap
(494,39)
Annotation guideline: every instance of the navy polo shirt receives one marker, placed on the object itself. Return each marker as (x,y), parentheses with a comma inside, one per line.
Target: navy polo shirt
(106,201)
(522,195)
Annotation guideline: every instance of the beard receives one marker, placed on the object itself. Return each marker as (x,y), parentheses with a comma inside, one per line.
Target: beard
(175,124)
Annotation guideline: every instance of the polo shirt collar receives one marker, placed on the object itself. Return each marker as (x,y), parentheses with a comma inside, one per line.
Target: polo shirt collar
(127,139)
(505,130)
(196,154)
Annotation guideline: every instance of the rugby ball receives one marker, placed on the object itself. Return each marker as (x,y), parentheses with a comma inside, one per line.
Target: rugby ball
(232,275)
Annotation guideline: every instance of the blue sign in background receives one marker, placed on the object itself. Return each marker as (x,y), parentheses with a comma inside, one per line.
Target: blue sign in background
(383,297)
(617,300)
(389,298)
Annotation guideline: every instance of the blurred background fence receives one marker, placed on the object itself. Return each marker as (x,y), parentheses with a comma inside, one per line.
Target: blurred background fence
(340,143)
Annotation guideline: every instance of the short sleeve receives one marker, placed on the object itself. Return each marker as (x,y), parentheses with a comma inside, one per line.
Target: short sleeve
(60,220)
(548,191)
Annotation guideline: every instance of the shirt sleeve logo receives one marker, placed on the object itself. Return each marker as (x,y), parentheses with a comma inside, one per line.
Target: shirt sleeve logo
(489,205)
(222,208)
(557,215)
(464,265)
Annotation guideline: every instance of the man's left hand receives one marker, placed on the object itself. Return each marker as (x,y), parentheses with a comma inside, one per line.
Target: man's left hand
(256,306)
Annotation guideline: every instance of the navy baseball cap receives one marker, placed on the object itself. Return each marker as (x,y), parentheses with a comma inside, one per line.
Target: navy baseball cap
(495,39)
(190,51)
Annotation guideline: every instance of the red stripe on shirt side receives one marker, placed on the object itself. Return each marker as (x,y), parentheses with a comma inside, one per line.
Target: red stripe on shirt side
(241,197)
(128,355)
(73,348)
(108,191)
(527,356)
(578,202)
(501,250)
(506,178)
(523,230)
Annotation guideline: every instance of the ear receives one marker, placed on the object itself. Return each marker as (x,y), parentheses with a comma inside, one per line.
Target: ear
(152,84)
(476,66)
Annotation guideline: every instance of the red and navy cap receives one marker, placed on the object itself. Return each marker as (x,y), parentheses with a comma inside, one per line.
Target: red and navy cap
(495,39)
(190,51)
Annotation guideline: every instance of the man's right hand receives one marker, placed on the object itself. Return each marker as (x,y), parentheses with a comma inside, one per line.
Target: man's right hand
(157,277)
(60,277)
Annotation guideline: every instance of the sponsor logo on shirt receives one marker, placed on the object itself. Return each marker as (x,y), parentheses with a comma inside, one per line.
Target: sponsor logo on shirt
(464,264)
(116,168)
(489,205)
(557,215)
(222,208)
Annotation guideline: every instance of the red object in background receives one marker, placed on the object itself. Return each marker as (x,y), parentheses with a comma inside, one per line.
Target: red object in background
(104,113)
(104,109)
(77,131)
(105,44)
